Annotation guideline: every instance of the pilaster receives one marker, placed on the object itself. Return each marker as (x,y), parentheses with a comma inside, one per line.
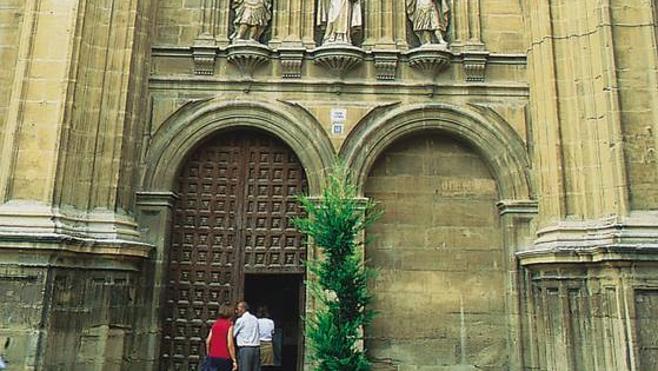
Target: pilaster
(517,219)
(379,24)
(155,215)
(287,24)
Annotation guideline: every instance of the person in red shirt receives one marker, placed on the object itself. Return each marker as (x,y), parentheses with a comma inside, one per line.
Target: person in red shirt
(220,347)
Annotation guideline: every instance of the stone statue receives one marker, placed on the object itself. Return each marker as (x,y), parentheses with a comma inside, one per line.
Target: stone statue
(339,17)
(251,19)
(429,19)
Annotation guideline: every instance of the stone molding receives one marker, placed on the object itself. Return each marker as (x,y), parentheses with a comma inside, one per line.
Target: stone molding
(194,122)
(204,54)
(633,238)
(475,66)
(499,144)
(518,207)
(156,199)
(292,60)
(473,63)
(386,63)
(29,225)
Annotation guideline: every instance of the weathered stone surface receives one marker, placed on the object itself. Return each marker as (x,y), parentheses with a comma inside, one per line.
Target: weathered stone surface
(441,296)
(519,183)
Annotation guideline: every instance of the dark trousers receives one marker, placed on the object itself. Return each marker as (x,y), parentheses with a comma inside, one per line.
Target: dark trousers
(217,364)
(249,359)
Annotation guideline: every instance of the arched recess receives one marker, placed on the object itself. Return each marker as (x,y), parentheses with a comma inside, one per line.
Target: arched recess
(495,140)
(191,124)
(172,144)
(450,180)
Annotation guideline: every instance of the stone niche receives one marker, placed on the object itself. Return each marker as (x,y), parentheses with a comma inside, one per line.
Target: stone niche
(441,283)
(295,32)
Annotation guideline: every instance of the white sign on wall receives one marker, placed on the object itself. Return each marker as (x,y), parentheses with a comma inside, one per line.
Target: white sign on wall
(338,119)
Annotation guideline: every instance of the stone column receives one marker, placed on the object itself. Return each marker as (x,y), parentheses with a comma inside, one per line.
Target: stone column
(67,234)
(222,21)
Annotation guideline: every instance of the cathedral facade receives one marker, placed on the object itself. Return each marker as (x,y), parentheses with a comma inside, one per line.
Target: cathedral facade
(151,152)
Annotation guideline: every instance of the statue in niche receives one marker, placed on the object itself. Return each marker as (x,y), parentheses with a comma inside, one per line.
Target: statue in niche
(340,18)
(251,19)
(429,20)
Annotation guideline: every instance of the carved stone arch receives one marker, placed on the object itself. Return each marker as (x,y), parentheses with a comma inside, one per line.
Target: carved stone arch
(181,132)
(496,141)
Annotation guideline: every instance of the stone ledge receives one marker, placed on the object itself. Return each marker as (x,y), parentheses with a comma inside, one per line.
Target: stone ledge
(633,238)
(32,219)
(63,243)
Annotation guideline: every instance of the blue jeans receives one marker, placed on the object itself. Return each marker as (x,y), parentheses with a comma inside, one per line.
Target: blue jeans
(249,359)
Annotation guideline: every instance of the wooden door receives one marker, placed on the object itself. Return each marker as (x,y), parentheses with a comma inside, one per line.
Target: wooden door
(237,199)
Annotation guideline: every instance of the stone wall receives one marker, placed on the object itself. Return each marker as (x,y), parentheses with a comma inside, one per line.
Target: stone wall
(545,109)
(11,15)
(440,292)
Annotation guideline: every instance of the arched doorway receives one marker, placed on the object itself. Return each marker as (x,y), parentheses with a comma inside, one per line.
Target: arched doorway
(232,238)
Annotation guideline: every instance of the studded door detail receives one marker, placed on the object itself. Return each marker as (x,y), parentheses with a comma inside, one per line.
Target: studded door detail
(274,178)
(233,216)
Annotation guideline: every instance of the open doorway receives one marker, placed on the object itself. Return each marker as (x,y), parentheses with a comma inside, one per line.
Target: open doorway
(283,294)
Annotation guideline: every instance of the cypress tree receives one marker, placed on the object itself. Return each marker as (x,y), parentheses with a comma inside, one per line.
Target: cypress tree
(340,277)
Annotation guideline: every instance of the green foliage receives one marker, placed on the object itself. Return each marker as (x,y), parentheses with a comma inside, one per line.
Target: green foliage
(340,286)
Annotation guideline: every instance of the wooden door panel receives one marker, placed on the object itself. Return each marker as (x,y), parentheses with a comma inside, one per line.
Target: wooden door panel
(275,177)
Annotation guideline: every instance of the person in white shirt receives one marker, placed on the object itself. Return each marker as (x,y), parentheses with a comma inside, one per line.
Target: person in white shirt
(247,337)
(266,331)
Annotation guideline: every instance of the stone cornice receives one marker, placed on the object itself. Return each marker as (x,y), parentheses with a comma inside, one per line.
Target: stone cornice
(518,207)
(633,238)
(156,199)
(37,227)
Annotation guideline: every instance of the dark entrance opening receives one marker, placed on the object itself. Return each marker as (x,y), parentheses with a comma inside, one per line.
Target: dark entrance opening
(283,295)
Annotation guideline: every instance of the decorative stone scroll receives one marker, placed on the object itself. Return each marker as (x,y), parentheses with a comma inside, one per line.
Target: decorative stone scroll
(204,53)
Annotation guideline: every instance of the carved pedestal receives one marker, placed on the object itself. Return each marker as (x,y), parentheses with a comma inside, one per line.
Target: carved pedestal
(431,58)
(338,58)
(248,56)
